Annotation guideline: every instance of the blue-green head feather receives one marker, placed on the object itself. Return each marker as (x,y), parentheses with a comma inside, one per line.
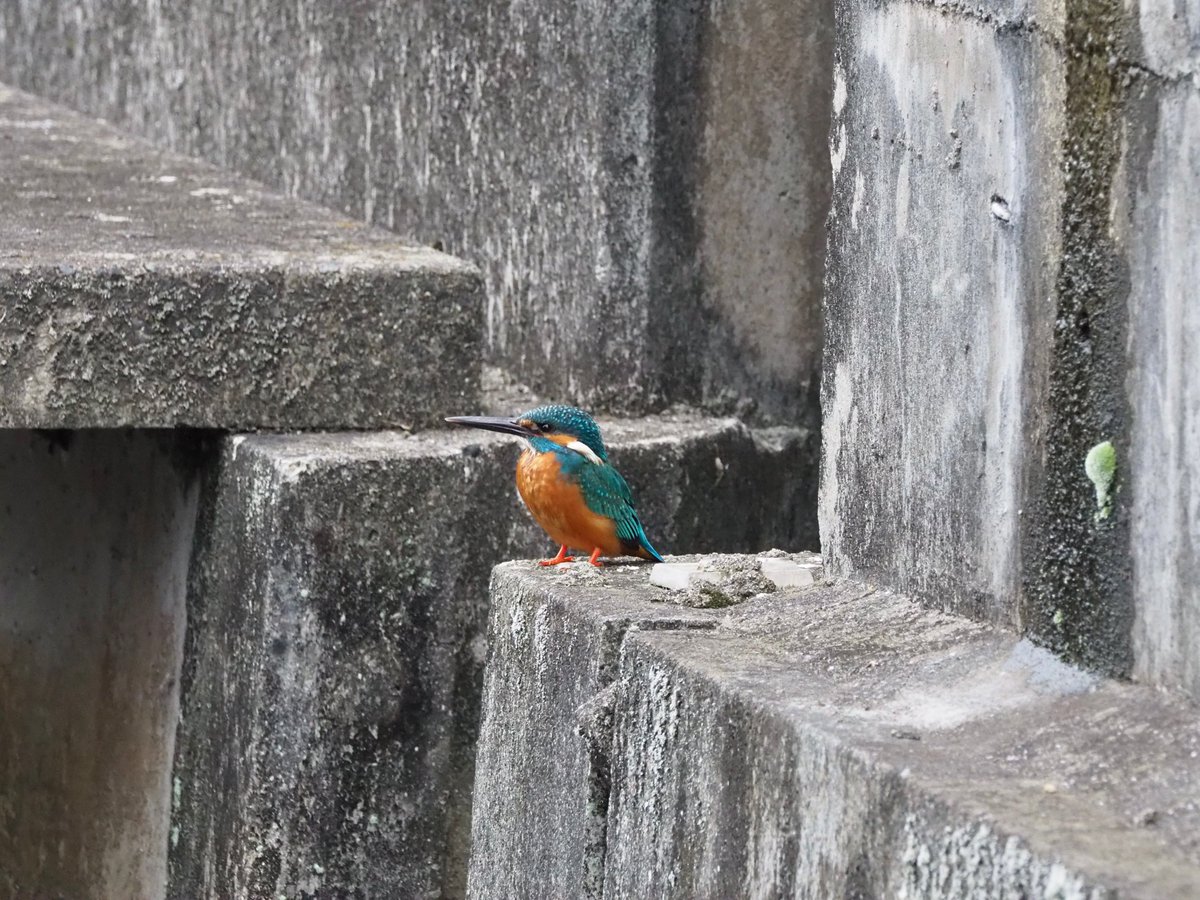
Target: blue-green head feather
(560,420)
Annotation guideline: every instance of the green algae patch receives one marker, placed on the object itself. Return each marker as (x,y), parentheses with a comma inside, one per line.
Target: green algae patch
(1101,468)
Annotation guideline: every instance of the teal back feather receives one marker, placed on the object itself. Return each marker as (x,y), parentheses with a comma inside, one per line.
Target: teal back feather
(605,492)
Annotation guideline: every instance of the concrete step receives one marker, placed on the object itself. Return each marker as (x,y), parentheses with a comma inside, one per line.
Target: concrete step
(834,740)
(645,185)
(144,289)
(336,639)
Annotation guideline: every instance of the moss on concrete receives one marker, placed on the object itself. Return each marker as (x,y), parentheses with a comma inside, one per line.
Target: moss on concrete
(1077,589)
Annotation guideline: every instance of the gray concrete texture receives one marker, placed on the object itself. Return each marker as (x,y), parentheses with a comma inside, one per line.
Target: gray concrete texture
(145,289)
(643,183)
(1008,282)
(938,325)
(836,741)
(542,770)
(1166,39)
(337,635)
(95,537)
(1163,232)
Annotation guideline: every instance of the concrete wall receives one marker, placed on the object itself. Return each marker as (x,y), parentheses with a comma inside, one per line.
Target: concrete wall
(95,537)
(1161,227)
(1009,284)
(334,650)
(644,183)
(336,639)
(939,321)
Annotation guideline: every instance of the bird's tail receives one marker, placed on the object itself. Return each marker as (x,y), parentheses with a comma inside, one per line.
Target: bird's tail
(645,548)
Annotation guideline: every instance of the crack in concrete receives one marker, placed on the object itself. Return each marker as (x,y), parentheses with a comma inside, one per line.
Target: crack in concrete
(596,726)
(1033,28)
(1189,78)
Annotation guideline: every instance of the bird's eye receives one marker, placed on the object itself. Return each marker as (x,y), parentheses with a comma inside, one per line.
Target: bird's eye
(545,427)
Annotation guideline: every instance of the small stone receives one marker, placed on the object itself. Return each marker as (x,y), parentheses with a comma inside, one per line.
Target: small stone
(712,582)
(674,576)
(1000,209)
(1146,818)
(784,573)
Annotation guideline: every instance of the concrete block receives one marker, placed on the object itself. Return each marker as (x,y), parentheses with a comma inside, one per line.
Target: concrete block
(145,289)
(336,640)
(944,254)
(716,485)
(644,184)
(541,776)
(1163,468)
(832,741)
(95,538)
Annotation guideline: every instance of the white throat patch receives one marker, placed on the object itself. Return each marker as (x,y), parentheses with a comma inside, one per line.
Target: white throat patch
(585,451)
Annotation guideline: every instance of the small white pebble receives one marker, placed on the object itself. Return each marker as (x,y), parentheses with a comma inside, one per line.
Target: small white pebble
(784,573)
(673,576)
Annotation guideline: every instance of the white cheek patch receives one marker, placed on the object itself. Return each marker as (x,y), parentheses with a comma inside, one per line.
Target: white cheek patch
(585,451)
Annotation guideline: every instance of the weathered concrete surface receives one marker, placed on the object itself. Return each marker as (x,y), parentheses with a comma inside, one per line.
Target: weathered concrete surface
(715,485)
(834,741)
(1010,245)
(644,184)
(95,536)
(1163,468)
(944,249)
(144,289)
(334,642)
(1168,38)
(336,639)
(542,782)
(1076,585)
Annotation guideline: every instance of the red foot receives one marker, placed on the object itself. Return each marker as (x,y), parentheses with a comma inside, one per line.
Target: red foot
(594,559)
(561,558)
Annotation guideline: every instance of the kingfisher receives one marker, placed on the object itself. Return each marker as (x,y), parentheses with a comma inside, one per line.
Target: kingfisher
(568,484)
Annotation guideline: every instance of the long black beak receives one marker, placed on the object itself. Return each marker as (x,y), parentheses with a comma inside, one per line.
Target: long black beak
(491,423)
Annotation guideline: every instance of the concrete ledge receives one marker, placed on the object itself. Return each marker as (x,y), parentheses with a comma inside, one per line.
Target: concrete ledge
(336,640)
(834,741)
(645,185)
(146,289)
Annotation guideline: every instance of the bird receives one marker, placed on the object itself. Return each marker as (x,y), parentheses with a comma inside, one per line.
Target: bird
(569,486)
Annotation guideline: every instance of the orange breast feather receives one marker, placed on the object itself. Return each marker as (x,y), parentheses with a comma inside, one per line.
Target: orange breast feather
(558,506)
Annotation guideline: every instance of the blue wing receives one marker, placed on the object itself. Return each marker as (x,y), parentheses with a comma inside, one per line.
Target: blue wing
(607,493)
